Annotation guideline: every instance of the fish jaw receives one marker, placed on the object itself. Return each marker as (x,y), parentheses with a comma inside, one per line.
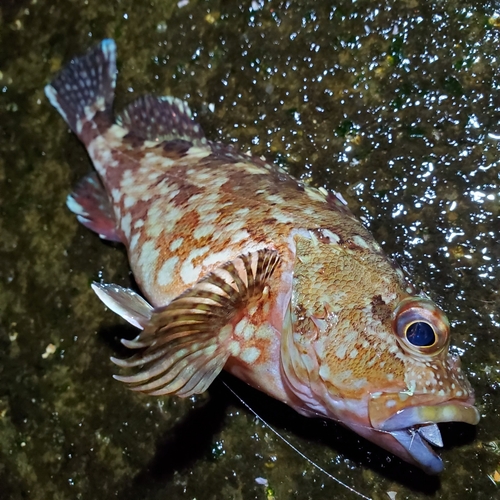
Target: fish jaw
(401,422)
(406,423)
(409,433)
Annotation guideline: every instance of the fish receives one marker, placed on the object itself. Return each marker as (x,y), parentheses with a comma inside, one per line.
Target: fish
(243,268)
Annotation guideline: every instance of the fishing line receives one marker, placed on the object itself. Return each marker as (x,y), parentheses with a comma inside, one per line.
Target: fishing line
(294,448)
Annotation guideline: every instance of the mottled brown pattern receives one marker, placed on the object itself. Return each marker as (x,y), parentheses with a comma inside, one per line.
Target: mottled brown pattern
(322,236)
(336,204)
(91,130)
(140,208)
(380,309)
(186,191)
(128,158)
(218,159)
(133,141)
(349,283)
(352,245)
(222,153)
(176,149)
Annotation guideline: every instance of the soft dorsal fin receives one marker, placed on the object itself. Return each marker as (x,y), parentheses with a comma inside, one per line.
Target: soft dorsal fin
(161,119)
(185,344)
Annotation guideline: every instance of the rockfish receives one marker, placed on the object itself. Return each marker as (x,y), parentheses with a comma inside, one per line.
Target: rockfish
(245,268)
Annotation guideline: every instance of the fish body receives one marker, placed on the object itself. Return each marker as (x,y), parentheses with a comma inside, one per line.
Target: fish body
(244,268)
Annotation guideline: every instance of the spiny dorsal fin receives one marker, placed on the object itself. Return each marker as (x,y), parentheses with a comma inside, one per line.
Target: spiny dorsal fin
(161,119)
(185,345)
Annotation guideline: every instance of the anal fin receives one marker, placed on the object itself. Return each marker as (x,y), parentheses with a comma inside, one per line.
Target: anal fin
(124,302)
(184,346)
(90,202)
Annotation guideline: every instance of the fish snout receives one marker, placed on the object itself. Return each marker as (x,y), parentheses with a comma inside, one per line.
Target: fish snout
(414,429)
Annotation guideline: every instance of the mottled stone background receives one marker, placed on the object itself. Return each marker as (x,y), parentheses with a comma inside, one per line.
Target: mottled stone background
(396,104)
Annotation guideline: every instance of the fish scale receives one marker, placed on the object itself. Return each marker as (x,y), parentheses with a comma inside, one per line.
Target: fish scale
(247,269)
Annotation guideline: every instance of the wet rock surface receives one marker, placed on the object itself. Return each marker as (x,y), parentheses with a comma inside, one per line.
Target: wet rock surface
(395,104)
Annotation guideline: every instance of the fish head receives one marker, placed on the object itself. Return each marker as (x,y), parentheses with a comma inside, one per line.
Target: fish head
(404,421)
(367,353)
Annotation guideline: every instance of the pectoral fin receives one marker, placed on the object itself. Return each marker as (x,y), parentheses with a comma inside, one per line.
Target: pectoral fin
(184,345)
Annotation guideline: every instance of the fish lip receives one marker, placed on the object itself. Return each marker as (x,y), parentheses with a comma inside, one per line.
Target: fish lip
(425,415)
(415,429)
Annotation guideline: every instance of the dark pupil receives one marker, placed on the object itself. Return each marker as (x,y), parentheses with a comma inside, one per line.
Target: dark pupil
(420,334)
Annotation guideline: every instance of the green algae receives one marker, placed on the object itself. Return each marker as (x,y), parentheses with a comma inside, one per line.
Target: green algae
(396,104)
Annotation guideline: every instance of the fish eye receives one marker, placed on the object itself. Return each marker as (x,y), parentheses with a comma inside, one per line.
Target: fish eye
(420,334)
(421,327)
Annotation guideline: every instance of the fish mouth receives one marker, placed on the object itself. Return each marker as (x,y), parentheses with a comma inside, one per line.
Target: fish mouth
(416,431)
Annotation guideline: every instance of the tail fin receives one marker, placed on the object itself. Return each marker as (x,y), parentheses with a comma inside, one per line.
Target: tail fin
(86,86)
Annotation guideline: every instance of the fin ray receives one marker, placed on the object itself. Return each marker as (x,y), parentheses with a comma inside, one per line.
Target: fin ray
(124,302)
(90,203)
(187,340)
(85,86)
(162,119)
